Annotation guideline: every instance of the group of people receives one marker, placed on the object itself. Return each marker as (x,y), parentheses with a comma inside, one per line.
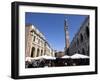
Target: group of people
(54,63)
(38,63)
(71,62)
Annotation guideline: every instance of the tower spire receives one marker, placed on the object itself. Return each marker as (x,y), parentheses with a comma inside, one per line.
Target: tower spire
(67,43)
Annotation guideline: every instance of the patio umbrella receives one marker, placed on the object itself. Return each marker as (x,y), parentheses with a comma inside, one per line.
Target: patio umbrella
(77,56)
(48,57)
(28,59)
(36,58)
(65,56)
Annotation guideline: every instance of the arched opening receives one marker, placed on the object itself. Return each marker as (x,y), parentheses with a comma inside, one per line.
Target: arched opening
(77,41)
(32,51)
(75,44)
(41,52)
(78,51)
(87,31)
(38,52)
(75,52)
(83,51)
(81,37)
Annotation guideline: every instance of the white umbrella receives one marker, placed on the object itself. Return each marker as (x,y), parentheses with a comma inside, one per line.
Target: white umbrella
(40,57)
(48,57)
(28,59)
(65,56)
(36,58)
(77,56)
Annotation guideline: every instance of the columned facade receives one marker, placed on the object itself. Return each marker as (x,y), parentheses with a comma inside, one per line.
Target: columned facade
(80,42)
(35,43)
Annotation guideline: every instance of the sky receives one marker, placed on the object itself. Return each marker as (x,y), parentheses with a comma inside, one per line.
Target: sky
(52,26)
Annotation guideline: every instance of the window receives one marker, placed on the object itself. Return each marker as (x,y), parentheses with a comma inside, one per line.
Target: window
(39,41)
(31,33)
(34,38)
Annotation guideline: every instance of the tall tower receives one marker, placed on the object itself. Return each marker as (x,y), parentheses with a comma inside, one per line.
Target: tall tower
(67,43)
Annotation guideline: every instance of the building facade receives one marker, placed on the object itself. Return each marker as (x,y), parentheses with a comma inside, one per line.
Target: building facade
(80,42)
(35,43)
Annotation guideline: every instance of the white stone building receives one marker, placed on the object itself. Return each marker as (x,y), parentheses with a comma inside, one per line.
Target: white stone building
(35,43)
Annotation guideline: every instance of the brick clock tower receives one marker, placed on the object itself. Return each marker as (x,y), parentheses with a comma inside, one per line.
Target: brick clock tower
(67,41)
